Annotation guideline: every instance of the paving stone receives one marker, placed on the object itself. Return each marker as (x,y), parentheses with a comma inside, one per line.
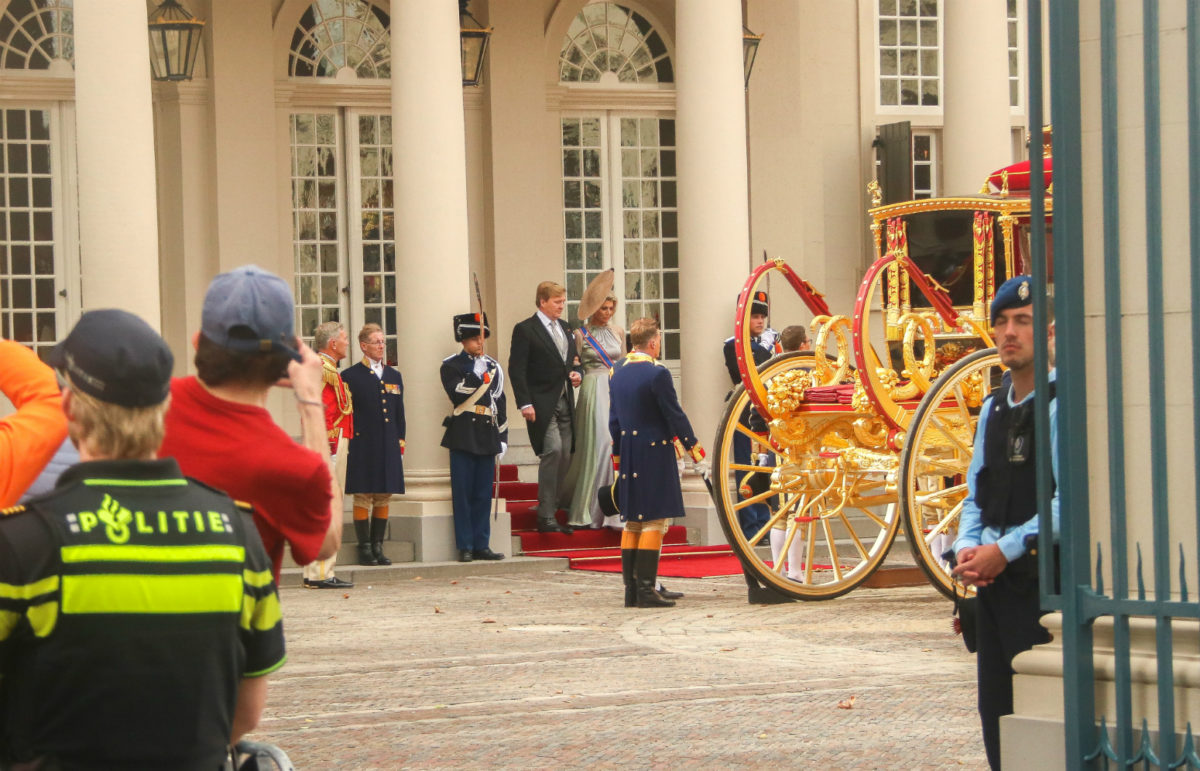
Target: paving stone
(548,670)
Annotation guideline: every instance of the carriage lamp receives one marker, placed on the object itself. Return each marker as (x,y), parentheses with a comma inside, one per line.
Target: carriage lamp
(474,45)
(750,43)
(174,41)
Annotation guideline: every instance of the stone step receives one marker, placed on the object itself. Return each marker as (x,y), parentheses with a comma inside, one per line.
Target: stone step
(364,577)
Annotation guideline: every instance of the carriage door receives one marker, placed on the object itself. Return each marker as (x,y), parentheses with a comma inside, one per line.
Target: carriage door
(343,223)
(620,211)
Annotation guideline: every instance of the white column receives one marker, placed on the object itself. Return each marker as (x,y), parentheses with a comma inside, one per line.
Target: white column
(714,229)
(431,222)
(118,213)
(977,127)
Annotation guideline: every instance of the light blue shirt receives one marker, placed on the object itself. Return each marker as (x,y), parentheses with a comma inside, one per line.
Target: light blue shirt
(1011,541)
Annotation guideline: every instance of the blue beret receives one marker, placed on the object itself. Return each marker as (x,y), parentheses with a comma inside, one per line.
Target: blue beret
(1017,292)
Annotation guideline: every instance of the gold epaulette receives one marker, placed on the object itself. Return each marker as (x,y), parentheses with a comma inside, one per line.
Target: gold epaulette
(11,510)
(331,376)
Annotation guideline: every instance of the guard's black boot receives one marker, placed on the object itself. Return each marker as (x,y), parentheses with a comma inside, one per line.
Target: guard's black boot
(363,534)
(628,573)
(762,595)
(647,574)
(378,529)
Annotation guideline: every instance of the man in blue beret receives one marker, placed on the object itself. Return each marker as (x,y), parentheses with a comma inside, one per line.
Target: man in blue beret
(999,523)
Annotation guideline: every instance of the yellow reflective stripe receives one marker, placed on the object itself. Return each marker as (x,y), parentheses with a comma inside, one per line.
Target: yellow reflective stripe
(43,617)
(135,482)
(8,621)
(136,593)
(257,578)
(268,670)
(105,552)
(28,591)
(261,615)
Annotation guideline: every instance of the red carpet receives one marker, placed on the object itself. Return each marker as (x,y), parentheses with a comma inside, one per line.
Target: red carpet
(600,550)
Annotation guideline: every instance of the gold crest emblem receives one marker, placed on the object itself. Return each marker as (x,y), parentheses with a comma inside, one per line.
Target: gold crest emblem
(1023,290)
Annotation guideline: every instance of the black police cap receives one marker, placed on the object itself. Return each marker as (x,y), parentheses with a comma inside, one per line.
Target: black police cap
(115,357)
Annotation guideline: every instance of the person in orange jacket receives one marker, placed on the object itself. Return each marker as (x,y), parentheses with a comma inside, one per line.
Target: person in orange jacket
(30,436)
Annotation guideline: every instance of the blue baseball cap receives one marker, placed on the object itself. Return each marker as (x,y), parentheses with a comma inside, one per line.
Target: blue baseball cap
(257,300)
(115,357)
(1017,292)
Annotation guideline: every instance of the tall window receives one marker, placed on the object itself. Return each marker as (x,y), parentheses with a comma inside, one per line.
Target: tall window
(38,245)
(924,161)
(618,173)
(909,53)
(1014,54)
(343,220)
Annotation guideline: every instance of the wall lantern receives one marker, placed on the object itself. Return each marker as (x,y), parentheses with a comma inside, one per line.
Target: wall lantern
(474,45)
(750,43)
(174,41)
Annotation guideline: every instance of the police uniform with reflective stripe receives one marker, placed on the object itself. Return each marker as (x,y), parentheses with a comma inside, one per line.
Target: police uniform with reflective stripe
(132,602)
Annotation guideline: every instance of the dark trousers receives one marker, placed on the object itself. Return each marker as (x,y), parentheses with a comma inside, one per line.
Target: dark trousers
(753,517)
(554,460)
(471,492)
(1006,624)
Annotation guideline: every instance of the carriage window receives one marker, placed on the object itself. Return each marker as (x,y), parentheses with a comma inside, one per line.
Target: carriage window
(940,243)
(909,53)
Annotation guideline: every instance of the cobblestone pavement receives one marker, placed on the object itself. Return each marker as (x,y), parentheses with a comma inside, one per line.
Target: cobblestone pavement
(547,670)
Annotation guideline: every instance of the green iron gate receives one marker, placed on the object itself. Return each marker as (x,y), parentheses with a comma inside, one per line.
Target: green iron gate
(1137,567)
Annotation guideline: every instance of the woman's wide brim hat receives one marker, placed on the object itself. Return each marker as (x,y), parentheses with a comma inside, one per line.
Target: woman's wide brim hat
(593,296)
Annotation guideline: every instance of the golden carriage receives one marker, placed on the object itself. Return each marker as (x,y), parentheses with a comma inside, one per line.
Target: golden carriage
(849,445)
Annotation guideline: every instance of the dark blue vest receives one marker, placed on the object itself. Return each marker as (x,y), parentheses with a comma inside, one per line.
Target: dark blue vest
(1006,487)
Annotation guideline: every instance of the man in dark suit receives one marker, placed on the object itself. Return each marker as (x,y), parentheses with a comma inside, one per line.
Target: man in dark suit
(544,366)
(476,434)
(650,431)
(375,463)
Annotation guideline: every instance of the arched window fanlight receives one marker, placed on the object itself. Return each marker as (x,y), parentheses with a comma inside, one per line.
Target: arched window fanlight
(33,35)
(333,36)
(607,37)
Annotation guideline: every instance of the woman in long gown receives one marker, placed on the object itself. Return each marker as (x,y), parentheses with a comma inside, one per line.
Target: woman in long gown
(591,466)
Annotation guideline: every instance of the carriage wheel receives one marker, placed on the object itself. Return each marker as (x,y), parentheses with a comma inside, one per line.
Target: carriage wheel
(842,532)
(933,464)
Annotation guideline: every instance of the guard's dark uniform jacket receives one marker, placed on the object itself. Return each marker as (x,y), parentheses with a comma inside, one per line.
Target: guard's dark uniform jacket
(375,461)
(482,427)
(132,603)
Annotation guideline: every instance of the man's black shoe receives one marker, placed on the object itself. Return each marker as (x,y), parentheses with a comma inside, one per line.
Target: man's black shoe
(666,594)
(465,555)
(553,527)
(486,554)
(333,582)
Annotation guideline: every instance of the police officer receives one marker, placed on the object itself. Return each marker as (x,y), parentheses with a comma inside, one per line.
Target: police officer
(143,616)
(476,433)
(999,522)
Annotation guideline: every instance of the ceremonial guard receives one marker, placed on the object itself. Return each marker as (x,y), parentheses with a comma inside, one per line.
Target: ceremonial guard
(650,433)
(332,345)
(764,343)
(375,464)
(476,434)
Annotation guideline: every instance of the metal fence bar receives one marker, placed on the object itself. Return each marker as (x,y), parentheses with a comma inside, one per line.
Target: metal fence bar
(1114,367)
(1156,333)
(1037,223)
(1193,80)
(1078,691)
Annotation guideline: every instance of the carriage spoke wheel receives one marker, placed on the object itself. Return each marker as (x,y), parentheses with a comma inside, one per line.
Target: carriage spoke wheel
(933,465)
(836,527)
